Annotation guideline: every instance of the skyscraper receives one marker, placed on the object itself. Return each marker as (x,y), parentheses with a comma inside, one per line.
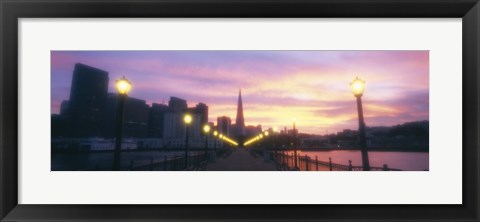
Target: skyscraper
(157,113)
(239,120)
(135,118)
(202,110)
(88,96)
(224,124)
(177,105)
(64,108)
(174,126)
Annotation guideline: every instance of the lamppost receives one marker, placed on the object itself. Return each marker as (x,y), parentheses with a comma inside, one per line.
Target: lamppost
(266,148)
(267,142)
(123,87)
(294,143)
(206,130)
(187,119)
(215,134)
(220,136)
(358,86)
(275,141)
(275,137)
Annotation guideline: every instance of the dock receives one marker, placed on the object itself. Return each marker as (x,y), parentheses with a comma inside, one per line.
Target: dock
(241,159)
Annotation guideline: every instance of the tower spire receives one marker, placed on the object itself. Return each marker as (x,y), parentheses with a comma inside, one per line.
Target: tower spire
(240,121)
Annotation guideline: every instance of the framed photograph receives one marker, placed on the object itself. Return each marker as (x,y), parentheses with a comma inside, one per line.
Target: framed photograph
(261,110)
(278,89)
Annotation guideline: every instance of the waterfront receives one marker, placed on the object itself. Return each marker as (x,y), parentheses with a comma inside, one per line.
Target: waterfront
(411,161)
(103,160)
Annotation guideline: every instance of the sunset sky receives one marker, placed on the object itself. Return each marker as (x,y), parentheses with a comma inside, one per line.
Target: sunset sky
(311,86)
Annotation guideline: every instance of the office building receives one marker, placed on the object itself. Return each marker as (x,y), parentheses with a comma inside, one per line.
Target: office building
(135,119)
(224,124)
(157,113)
(88,96)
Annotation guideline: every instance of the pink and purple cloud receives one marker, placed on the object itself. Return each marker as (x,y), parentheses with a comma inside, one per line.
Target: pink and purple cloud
(312,86)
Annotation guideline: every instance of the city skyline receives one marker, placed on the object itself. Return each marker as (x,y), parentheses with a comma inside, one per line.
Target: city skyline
(311,86)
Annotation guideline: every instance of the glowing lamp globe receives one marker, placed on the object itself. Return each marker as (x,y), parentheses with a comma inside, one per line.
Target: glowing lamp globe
(206,128)
(123,86)
(187,119)
(358,86)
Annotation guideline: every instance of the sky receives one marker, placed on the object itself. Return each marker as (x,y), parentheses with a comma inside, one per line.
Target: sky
(311,86)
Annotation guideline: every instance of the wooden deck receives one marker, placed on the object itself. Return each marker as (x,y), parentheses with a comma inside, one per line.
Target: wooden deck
(241,160)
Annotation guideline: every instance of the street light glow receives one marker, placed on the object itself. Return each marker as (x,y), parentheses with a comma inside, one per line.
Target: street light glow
(187,119)
(358,86)
(215,133)
(206,128)
(123,86)
(266,133)
(225,138)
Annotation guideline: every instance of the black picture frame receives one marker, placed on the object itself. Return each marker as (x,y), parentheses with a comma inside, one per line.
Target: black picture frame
(11,11)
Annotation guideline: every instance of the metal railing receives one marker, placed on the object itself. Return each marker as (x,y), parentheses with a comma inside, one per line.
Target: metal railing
(284,161)
(197,161)
(175,163)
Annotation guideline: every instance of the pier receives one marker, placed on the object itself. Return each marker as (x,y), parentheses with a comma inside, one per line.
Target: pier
(247,159)
(242,159)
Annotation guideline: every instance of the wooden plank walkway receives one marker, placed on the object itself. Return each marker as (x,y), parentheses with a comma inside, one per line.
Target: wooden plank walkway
(241,160)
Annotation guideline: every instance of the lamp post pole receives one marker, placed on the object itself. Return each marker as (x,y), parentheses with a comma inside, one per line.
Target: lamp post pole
(267,141)
(275,141)
(206,130)
(123,87)
(186,147)
(215,134)
(294,145)
(206,146)
(259,144)
(361,131)
(358,86)
(118,133)
(220,137)
(187,119)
